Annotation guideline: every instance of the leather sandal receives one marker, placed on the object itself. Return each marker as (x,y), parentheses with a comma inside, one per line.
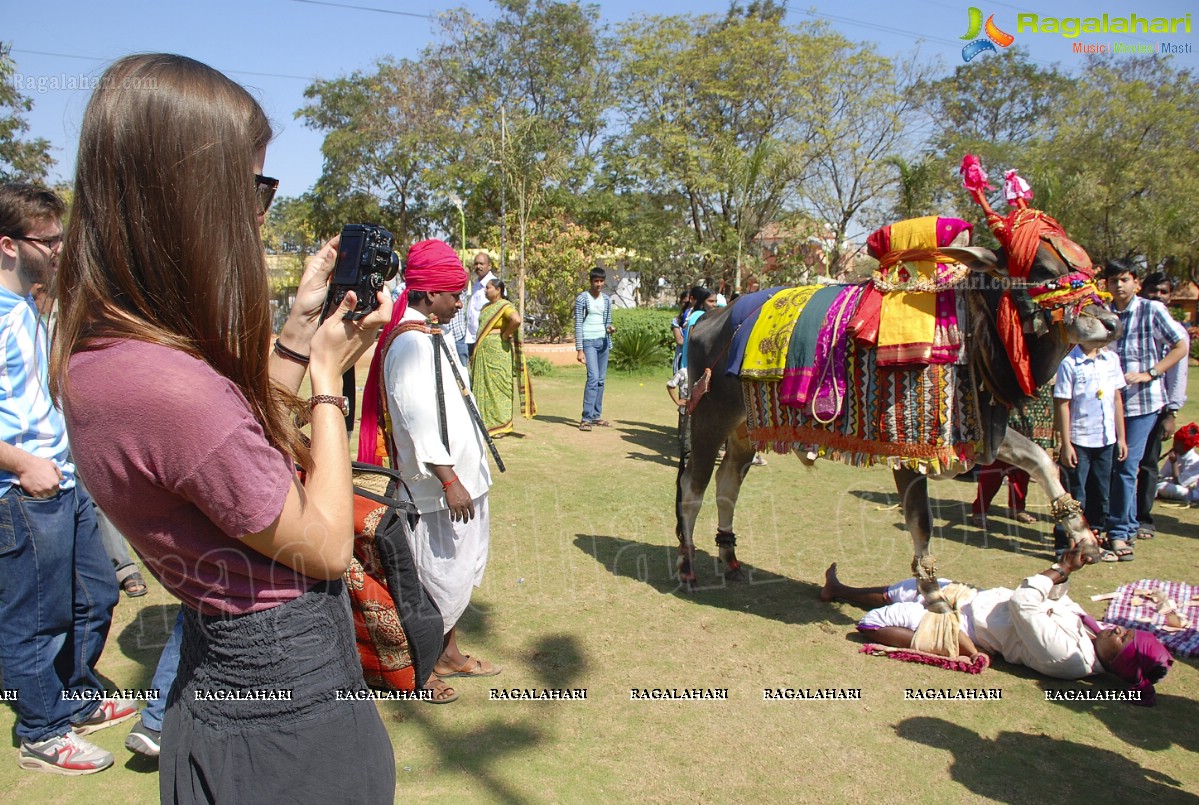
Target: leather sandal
(134,585)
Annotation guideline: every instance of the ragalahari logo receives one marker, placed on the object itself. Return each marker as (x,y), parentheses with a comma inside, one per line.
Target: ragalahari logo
(977,45)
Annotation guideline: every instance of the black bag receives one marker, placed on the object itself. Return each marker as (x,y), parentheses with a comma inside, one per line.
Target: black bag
(398,627)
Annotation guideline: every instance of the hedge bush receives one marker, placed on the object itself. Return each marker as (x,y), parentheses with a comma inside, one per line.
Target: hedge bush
(538,366)
(643,338)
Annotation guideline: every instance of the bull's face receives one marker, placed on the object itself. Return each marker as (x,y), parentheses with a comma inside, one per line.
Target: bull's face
(1060,297)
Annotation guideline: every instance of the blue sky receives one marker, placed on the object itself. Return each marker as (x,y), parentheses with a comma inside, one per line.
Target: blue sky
(276,47)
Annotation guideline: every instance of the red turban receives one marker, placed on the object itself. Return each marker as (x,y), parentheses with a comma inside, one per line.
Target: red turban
(431,266)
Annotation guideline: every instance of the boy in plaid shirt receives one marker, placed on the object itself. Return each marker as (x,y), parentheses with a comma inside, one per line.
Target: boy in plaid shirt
(1148,335)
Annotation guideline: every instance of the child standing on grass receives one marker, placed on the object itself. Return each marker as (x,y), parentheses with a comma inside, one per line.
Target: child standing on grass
(1090,424)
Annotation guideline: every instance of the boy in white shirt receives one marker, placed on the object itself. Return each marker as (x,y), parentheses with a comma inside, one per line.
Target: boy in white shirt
(1089,417)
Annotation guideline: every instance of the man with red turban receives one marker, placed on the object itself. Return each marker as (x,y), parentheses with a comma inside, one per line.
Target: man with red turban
(449,479)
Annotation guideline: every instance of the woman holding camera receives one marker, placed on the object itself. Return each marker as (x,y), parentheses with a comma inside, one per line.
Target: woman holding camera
(183,421)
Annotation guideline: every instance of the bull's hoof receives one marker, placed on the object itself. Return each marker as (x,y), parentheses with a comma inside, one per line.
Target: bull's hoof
(1090,551)
(736,574)
(938,606)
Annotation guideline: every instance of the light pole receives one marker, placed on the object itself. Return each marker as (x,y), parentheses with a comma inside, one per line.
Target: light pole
(456,200)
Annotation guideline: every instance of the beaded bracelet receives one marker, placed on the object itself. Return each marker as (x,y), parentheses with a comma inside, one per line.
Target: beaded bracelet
(291,354)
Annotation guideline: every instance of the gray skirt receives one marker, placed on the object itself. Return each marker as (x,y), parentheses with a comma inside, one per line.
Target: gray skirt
(259,711)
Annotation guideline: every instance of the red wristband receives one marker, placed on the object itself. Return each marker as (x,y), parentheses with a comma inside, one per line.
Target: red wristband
(449,483)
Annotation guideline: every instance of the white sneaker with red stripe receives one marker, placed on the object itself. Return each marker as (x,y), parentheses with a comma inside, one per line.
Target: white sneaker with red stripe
(65,754)
(110,711)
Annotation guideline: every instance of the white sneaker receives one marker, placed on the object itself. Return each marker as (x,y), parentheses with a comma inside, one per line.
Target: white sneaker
(65,754)
(107,713)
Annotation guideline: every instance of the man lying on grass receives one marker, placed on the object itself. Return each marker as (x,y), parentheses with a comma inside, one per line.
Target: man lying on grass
(1035,625)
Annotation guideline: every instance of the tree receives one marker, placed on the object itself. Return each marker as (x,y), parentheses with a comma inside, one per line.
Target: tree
(712,107)
(917,190)
(387,135)
(998,108)
(532,91)
(559,256)
(860,106)
(21,160)
(1123,171)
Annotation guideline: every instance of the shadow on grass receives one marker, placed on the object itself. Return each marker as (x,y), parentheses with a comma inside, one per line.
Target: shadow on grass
(477,751)
(662,441)
(1155,729)
(951,523)
(480,751)
(764,594)
(1019,767)
(1166,522)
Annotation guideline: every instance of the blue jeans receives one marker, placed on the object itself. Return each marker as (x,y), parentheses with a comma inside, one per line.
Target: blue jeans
(1090,484)
(463,350)
(1122,519)
(57,592)
(164,676)
(595,350)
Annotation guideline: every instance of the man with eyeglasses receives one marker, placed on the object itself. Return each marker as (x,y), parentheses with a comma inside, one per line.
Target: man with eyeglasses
(57,588)
(478,297)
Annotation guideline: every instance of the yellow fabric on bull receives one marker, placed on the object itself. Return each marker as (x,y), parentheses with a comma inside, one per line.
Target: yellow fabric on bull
(938,633)
(766,351)
(908,321)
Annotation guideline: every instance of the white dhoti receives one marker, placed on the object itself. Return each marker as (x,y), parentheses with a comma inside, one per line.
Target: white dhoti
(450,557)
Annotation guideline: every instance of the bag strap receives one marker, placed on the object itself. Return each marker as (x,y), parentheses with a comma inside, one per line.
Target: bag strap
(395,476)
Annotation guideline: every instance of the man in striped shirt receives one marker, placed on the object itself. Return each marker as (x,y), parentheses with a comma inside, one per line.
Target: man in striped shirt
(57,588)
(1148,348)
(593,345)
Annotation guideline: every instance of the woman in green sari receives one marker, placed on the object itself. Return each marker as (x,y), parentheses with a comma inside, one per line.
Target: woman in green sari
(497,361)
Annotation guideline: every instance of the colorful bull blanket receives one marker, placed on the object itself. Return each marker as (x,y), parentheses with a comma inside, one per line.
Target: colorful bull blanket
(925,418)
(1129,610)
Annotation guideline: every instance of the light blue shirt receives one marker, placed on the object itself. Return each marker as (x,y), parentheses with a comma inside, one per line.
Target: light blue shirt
(29,419)
(1091,386)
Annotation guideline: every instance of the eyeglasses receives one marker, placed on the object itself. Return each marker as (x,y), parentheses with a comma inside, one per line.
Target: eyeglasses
(52,243)
(264,190)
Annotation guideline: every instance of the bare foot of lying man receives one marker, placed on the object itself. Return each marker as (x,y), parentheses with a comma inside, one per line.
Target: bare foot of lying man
(1036,625)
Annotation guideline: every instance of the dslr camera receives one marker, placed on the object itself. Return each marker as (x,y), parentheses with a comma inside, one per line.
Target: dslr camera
(365,260)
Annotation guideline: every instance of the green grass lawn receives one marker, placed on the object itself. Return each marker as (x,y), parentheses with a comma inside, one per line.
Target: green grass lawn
(579,593)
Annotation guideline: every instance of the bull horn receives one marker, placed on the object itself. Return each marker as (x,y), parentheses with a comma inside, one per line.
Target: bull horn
(976,257)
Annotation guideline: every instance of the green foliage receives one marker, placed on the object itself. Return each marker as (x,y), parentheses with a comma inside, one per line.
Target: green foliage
(638,349)
(655,321)
(556,264)
(538,366)
(20,160)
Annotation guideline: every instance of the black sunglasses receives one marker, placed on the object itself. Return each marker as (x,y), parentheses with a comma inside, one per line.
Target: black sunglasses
(53,244)
(264,190)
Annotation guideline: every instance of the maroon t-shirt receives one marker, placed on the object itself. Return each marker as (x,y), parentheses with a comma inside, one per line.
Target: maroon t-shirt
(171,452)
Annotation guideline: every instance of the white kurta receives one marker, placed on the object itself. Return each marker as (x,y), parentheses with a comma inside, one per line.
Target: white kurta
(1029,628)
(450,556)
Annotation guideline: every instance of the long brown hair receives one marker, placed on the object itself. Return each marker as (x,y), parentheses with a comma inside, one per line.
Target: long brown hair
(163,244)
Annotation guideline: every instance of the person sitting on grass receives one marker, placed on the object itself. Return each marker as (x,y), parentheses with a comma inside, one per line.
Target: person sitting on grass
(1036,625)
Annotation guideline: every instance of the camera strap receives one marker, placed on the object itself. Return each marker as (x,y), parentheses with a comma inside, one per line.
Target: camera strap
(440,348)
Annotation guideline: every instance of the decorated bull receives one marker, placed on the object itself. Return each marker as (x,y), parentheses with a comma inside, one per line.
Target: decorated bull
(916,368)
